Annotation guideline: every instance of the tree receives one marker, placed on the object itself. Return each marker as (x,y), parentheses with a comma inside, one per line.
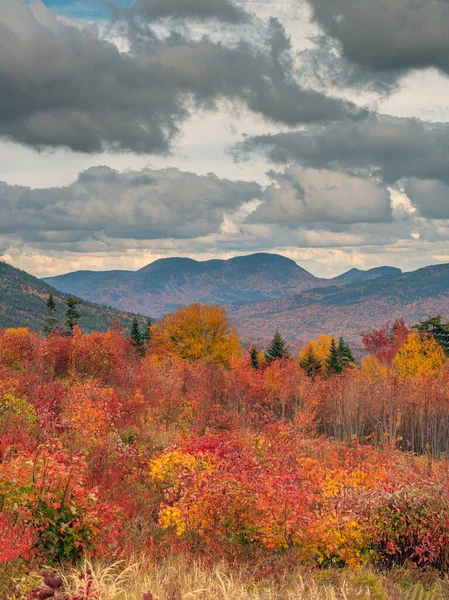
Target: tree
(385,342)
(254,355)
(419,355)
(135,337)
(147,334)
(345,353)
(333,362)
(277,348)
(310,363)
(50,325)
(72,313)
(197,332)
(438,330)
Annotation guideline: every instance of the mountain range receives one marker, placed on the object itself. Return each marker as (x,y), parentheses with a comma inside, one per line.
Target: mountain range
(23,304)
(266,291)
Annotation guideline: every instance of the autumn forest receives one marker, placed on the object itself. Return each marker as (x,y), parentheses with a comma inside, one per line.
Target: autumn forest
(173,441)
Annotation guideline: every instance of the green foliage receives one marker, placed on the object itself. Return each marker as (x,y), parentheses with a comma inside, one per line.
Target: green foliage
(135,336)
(254,357)
(72,313)
(277,348)
(310,363)
(438,330)
(333,362)
(51,324)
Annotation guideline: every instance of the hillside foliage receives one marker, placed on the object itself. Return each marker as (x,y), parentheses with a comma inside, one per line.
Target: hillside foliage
(183,445)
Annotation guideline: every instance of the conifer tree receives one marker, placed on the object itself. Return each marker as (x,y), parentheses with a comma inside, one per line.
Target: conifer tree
(310,363)
(437,329)
(147,333)
(135,337)
(254,357)
(51,323)
(333,362)
(345,353)
(277,348)
(72,313)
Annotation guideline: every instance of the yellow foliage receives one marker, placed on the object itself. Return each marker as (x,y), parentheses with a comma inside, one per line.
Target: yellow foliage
(170,516)
(19,332)
(169,468)
(338,541)
(419,355)
(372,368)
(197,332)
(320,347)
(18,406)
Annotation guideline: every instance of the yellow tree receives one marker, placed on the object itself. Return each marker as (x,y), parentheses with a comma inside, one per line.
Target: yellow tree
(320,347)
(197,332)
(419,355)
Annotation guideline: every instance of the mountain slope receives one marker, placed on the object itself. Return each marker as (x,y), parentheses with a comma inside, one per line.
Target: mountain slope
(167,283)
(357,275)
(23,298)
(349,309)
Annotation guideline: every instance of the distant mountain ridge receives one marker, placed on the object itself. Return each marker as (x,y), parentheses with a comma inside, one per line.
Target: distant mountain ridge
(170,282)
(356,275)
(264,291)
(23,299)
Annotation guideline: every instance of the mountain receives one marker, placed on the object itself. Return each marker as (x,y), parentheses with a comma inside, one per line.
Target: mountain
(170,282)
(23,298)
(356,275)
(265,291)
(349,309)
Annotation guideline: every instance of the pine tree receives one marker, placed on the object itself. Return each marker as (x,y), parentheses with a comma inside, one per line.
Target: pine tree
(254,357)
(72,314)
(345,353)
(310,363)
(438,330)
(333,362)
(51,323)
(277,348)
(135,337)
(147,333)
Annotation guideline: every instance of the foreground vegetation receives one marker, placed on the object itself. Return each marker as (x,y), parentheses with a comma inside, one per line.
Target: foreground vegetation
(180,447)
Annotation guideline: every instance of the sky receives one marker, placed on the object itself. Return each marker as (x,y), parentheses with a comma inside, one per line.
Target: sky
(136,130)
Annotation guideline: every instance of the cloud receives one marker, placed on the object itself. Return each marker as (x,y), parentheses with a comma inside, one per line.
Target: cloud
(221,10)
(64,86)
(387,147)
(301,197)
(388,35)
(430,197)
(103,204)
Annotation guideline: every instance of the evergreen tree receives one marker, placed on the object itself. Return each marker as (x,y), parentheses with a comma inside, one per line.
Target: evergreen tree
(135,337)
(50,325)
(333,362)
(254,357)
(345,353)
(438,330)
(310,363)
(72,313)
(147,333)
(277,348)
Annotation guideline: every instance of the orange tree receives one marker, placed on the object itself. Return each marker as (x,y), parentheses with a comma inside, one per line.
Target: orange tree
(197,332)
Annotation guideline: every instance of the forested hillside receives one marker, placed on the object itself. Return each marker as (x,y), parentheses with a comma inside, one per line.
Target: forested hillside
(23,298)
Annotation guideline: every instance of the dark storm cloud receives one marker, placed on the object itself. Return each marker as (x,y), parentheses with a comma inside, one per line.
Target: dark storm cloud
(387,147)
(430,197)
(63,86)
(103,203)
(222,10)
(388,35)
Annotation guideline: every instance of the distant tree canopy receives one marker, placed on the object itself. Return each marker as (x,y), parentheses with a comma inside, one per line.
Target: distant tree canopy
(197,332)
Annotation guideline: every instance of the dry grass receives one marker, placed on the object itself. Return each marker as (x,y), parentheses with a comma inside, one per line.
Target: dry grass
(180,579)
